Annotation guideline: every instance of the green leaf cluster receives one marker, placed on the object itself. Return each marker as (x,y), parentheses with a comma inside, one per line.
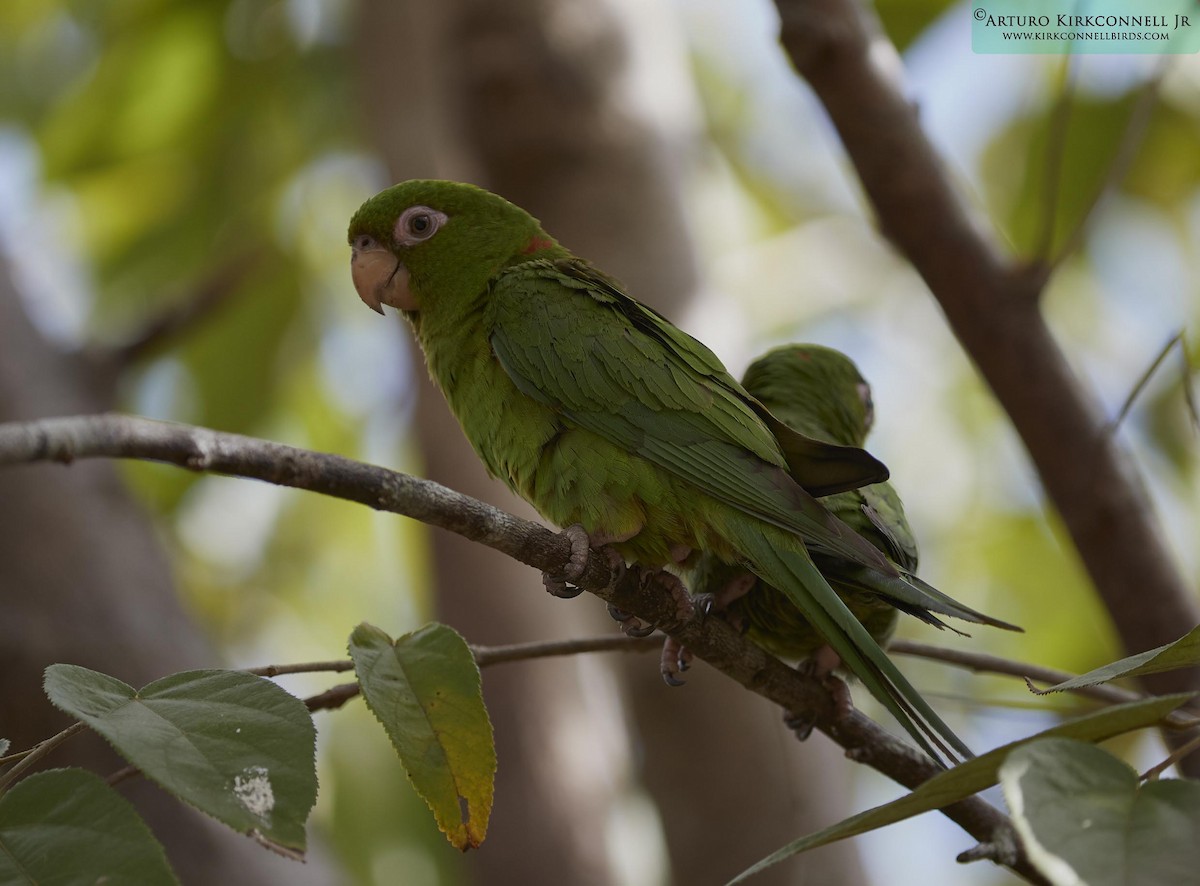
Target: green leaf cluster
(242,750)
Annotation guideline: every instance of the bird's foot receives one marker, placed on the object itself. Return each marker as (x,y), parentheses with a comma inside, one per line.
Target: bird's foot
(675,660)
(718,602)
(674,587)
(821,666)
(630,624)
(800,724)
(561,584)
(731,591)
(710,604)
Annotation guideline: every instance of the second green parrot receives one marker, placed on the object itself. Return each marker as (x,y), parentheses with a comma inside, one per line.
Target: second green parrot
(600,413)
(819,392)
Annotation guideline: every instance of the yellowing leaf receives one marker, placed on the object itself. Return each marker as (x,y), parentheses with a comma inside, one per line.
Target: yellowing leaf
(425,690)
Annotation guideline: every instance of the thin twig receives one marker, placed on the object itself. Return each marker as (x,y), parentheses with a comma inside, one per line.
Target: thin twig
(983,663)
(491,655)
(123,775)
(1174,757)
(310,667)
(1189,393)
(38,752)
(1176,339)
(332,698)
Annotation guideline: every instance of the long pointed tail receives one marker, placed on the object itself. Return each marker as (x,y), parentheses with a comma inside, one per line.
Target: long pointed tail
(780,558)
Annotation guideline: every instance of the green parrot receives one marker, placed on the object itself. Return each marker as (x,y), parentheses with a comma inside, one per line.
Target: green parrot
(605,416)
(819,392)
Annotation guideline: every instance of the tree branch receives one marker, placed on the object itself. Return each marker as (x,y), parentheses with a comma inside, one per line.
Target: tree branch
(981,663)
(977,662)
(35,755)
(711,639)
(991,304)
(493,655)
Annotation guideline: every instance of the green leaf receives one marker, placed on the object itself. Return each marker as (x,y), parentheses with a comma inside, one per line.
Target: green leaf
(1183,653)
(976,775)
(425,690)
(1083,818)
(233,745)
(66,826)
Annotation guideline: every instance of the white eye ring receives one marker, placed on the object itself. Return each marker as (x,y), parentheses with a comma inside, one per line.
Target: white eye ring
(417,224)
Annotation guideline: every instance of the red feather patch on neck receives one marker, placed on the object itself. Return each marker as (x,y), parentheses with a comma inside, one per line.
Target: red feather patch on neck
(537,244)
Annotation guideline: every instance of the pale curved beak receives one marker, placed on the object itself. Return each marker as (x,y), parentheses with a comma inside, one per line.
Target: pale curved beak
(380,279)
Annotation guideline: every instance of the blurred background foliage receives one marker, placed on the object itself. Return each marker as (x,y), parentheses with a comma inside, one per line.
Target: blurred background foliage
(156,153)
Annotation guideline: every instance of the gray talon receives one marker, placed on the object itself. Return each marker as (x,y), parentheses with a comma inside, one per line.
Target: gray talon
(630,624)
(559,588)
(674,659)
(618,615)
(799,723)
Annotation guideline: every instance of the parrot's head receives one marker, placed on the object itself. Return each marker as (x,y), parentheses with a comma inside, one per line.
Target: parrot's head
(815,389)
(425,243)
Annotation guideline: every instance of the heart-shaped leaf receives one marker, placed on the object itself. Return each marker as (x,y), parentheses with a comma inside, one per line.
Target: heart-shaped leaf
(232,744)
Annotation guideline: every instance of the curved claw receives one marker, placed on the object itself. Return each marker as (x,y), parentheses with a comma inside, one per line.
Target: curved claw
(674,660)
(672,681)
(821,667)
(630,624)
(558,588)
(801,724)
(618,615)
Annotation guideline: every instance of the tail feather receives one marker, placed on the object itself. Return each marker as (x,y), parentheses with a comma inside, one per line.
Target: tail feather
(911,594)
(933,599)
(780,558)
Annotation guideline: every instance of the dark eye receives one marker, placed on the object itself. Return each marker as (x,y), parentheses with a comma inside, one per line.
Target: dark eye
(418,223)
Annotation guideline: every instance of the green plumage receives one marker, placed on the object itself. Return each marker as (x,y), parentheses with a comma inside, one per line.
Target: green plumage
(598,411)
(819,392)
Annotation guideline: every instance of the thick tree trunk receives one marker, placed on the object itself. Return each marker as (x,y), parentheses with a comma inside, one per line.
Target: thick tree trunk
(521,97)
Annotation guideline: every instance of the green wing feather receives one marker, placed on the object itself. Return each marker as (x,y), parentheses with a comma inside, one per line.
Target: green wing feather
(659,394)
(569,338)
(692,372)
